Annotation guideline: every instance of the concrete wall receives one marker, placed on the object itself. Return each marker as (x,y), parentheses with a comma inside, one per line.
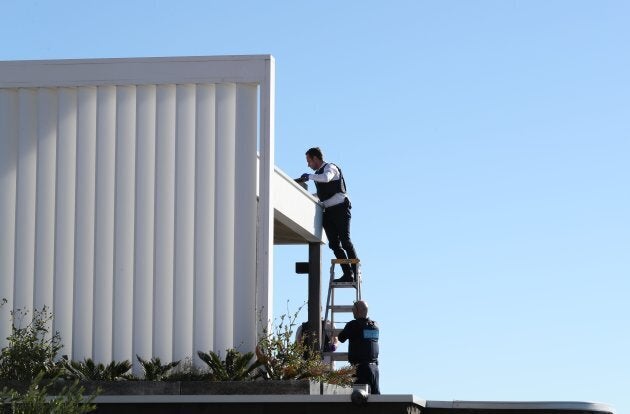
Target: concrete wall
(129,202)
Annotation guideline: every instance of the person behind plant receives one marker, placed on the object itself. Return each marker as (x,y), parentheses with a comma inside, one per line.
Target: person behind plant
(331,191)
(305,335)
(363,348)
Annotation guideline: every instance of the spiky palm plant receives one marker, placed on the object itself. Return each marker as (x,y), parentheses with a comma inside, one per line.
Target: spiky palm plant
(235,367)
(154,370)
(91,371)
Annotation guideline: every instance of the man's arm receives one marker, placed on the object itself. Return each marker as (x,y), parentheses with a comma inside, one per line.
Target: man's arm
(345,333)
(330,173)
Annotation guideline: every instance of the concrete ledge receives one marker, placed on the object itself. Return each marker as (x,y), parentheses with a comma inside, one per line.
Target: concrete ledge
(251,399)
(176,388)
(249,387)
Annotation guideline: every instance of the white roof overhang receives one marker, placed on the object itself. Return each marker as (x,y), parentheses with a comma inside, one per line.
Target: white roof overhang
(297,214)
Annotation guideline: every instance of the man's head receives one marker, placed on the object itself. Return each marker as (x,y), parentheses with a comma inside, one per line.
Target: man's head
(314,158)
(360,309)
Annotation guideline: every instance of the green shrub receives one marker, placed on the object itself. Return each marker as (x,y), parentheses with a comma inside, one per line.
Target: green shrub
(31,349)
(35,399)
(282,358)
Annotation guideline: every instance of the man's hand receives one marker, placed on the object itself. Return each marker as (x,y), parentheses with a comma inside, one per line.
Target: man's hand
(303,178)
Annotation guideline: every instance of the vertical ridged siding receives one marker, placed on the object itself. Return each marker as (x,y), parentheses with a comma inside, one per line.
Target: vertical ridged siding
(131,213)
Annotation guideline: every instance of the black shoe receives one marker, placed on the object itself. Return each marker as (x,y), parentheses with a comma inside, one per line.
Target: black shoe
(344,279)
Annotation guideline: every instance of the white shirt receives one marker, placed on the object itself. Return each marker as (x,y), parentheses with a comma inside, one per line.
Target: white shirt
(330,173)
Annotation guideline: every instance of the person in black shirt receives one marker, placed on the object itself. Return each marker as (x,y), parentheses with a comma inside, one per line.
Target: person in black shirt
(331,191)
(363,348)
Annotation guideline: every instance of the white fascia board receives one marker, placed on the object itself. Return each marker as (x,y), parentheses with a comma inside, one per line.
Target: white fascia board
(296,208)
(586,407)
(133,71)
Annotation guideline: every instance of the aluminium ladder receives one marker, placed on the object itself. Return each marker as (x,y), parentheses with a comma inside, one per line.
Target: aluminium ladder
(333,309)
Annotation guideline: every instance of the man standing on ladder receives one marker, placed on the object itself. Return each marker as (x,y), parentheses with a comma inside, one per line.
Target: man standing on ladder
(331,190)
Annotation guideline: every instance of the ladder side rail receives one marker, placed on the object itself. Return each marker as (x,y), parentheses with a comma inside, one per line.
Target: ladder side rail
(330,289)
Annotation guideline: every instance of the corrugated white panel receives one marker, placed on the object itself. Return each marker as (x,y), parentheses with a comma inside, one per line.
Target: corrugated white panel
(25,216)
(85,215)
(144,224)
(264,253)
(132,212)
(184,223)
(64,216)
(8,179)
(46,183)
(164,223)
(204,220)
(245,315)
(224,252)
(124,221)
(104,222)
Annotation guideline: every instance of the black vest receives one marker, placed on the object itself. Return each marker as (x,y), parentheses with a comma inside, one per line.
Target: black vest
(329,189)
(364,348)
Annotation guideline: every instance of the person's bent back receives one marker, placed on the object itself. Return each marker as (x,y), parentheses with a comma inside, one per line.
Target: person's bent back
(363,349)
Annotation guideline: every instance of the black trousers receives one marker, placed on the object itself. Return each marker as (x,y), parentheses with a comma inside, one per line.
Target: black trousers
(368,374)
(336,222)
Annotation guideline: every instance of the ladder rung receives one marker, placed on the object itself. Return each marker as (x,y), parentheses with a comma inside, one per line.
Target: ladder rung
(337,356)
(341,308)
(344,261)
(338,285)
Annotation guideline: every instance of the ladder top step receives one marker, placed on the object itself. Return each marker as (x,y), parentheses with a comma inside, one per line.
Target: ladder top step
(343,284)
(341,308)
(337,356)
(344,261)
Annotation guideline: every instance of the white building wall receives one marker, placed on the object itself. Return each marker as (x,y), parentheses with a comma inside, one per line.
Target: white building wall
(130,203)
(85,216)
(205,159)
(8,189)
(144,230)
(245,209)
(46,183)
(224,228)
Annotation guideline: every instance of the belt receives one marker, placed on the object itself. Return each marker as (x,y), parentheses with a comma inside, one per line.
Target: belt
(334,206)
(366,363)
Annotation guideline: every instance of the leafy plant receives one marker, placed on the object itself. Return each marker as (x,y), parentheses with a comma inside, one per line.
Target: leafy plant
(88,370)
(31,349)
(154,370)
(342,376)
(235,367)
(282,358)
(35,399)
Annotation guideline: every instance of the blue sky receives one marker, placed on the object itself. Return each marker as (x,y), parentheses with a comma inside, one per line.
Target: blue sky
(485,146)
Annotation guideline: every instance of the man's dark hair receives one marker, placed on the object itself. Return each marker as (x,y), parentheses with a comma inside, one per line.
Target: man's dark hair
(315,152)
